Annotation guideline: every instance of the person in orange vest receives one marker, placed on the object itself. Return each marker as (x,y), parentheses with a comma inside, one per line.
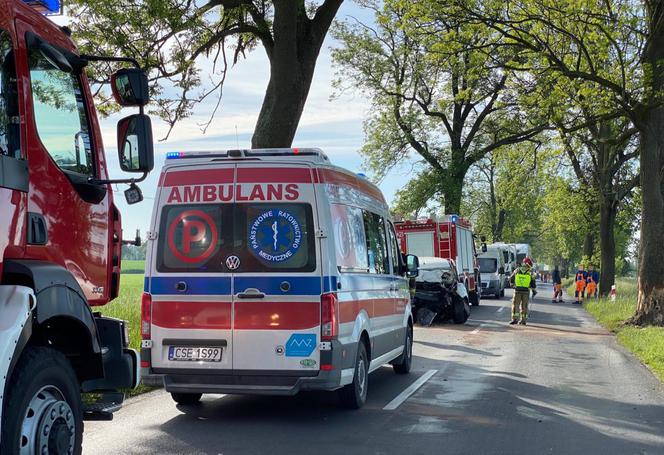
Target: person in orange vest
(580,282)
(592,281)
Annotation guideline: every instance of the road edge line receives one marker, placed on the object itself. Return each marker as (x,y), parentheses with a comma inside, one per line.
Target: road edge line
(411,389)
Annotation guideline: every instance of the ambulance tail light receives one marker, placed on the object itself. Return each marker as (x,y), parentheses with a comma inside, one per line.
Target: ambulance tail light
(329,316)
(146,316)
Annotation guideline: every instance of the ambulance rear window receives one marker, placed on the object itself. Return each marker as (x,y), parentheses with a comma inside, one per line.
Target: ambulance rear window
(237,238)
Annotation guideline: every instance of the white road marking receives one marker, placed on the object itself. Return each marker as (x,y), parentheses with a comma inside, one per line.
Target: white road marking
(479,327)
(500,310)
(411,389)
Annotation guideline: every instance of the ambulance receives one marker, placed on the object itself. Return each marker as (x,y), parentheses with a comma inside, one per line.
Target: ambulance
(271,271)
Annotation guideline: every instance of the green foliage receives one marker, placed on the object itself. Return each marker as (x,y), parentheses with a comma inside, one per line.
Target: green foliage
(440,94)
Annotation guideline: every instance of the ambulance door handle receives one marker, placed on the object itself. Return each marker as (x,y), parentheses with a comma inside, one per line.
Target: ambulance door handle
(251,293)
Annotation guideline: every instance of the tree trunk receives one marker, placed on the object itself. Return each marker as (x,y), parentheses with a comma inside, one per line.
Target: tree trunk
(499,226)
(292,64)
(293,55)
(589,245)
(282,107)
(452,193)
(650,308)
(607,245)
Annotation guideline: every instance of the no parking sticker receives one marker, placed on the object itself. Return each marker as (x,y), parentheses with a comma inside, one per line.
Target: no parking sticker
(275,235)
(192,236)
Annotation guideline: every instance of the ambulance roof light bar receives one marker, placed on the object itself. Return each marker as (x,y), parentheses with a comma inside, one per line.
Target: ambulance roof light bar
(253,153)
(46,7)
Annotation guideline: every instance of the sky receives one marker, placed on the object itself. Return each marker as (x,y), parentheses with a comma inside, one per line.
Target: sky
(334,125)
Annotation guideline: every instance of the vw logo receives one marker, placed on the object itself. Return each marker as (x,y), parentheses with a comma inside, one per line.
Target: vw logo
(232,262)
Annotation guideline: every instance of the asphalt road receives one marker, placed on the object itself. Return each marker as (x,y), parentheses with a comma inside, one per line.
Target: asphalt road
(560,385)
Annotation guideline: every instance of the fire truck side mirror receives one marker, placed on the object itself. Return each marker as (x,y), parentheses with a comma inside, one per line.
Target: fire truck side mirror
(130,87)
(412,266)
(135,147)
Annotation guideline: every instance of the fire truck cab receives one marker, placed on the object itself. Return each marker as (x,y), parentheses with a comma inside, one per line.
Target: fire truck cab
(451,238)
(60,235)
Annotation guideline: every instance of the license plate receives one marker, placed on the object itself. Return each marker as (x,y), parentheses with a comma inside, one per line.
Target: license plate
(194,353)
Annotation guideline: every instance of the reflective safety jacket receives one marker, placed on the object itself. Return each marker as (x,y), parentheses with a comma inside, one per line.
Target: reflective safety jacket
(523,280)
(581,275)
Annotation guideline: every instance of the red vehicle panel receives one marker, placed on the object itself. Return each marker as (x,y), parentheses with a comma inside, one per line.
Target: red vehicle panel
(84,243)
(451,238)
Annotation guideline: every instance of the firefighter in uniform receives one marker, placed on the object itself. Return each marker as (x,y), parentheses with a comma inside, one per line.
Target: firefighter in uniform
(523,281)
(580,283)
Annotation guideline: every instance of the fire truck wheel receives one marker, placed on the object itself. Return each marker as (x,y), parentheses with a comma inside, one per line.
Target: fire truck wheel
(354,395)
(43,413)
(186,399)
(403,363)
(474,298)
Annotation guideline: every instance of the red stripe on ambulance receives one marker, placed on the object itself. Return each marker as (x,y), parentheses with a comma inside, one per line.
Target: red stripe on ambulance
(276,315)
(202,177)
(342,179)
(349,309)
(192,315)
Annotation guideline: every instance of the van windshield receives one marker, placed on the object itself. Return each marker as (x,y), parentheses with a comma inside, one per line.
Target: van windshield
(488,265)
(236,238)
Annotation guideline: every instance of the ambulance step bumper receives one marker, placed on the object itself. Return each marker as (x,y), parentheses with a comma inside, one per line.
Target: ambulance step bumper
(252,384)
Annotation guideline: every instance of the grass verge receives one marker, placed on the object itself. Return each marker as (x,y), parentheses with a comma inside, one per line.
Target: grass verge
(647,343)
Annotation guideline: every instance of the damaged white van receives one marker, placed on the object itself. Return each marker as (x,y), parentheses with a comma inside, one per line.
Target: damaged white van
(269,272)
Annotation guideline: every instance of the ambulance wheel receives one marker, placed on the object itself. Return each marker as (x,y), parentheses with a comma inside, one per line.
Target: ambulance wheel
(43,413)
(186,399)
(354,395)
(474,298)
(403,362)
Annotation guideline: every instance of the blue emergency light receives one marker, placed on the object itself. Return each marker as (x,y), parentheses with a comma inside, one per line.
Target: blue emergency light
(173,155)
(454,218)
(46,7)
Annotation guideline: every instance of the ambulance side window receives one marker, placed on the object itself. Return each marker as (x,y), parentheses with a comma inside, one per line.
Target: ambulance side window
(10,133)
(395,254)
(349,238)
(374,226)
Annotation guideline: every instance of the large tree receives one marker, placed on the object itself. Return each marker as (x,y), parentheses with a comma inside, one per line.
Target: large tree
(570,38)
(438,89)
(184,45)
(604,161)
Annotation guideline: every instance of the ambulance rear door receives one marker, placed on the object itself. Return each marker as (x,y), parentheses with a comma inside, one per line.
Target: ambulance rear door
(190,285)
(277,272)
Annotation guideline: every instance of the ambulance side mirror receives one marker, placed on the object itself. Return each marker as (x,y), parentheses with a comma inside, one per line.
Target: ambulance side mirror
(412,266)
(484,248)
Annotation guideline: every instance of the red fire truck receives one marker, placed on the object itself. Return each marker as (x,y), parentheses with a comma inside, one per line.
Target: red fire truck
(60,234)
(449,238)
